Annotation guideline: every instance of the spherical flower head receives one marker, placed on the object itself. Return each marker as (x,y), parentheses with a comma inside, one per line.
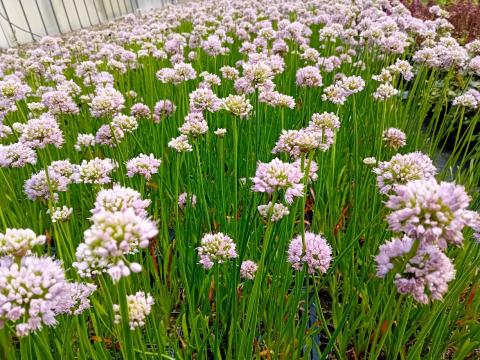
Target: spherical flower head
(297,142)
(17,155)
(335,94)
(180,143)
(276,211)
(19,242)
(109,135)
(41,132)
(220,132)
(352,84)
(316,254)
(470,99)
(403,168)
(75,298)
(95,171)
(140,110)
(257,73)
(59,102)
(194,124)
(326,120)
(394,138)
(204,99)
(238,105)
(216,248)
(61,214)
(41,186)
(120,198)
(84,141)
(277,175)
(435,213)
(384,92)
(144,165)
(139,307)
(248,270)
(125,123)
(186,198)
(229,72)
(309,76)
(163,109)
(112,236)
(423,272)
(106,102)
(370,161)
(30,292)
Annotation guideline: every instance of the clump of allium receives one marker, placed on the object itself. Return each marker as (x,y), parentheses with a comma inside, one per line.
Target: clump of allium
(297,142)
(59,102)
(316,255)
(402,169)
(204,99)
(324,125)
(276,211)
(352,84)
(195,124)
(38,133)
(470,99)
(216,248)
(17,155)
(145,165)
(19,242)
(238,105)
(112,236)
(220,132)
(163,109)
(139,307)
(32,292)
(186,198)
(140,110)
(120,198)
(84,141)
(423,272)
(308,76)
(248,269)
(335,94)
(277,175)
(95,171)
(61,214)
(394,138)
(13,89)
(180,143)
(435,213)
(384,91)
(126,123)
(106,102)
(229,73)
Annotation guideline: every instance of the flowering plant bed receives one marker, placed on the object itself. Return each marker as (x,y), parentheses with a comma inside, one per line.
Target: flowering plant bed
(241,179)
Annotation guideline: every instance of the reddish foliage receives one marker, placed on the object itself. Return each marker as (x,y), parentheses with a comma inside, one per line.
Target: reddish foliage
(464,16)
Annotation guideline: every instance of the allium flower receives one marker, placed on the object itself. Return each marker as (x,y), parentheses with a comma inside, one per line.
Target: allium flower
(312,168)
(277,175)
(403,168)
(435,213)
(384,91)
(248,269)
(75,298)
(109,135)
(30,292)
(112,236)
(297,142)
(19,242)
(370,161)
(120,198)
(61,214)
(106,102)
(17,155)
(59,102)
(215,248)
(41,132)
(335,93)
(194,124)
(324,126)
(424,274)
(471,99)
(140,110)
(238,105)
(84,140)
(276,211)
(145,165)
(229,73)
(257,73)
(163,109)
(220,132)
(183,72)
(402,67)
(13,89)
(180,144)
(394,138)
(309,76)
(185,198)
(352,84)
(317,253)
(204,99)
(125,123)
(139,307)
(39,186)
(95,171)
(5,131)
